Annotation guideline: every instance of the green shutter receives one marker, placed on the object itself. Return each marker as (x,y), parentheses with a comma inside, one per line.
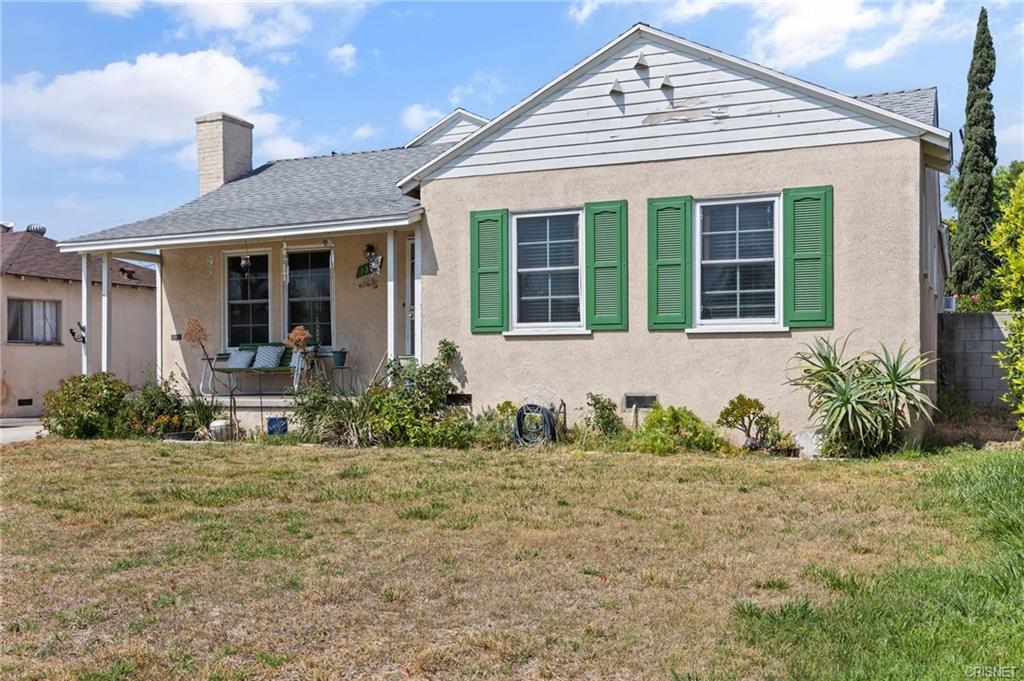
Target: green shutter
(807,247)
(669,273)
(606,265)
(488,246)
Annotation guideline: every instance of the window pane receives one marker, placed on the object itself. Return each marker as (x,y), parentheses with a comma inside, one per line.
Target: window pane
(259,333)
(564,254)
(758,215)
(565,283)
(534,284)
(718,218)
(565,309)
(532,256)
(533,311)
(562,227)
(531,229)
(718,306)
(309,294)
(718,278)
(757,305)
(756,244)
(720,246)
(757,276)
(15,312)
(238,335)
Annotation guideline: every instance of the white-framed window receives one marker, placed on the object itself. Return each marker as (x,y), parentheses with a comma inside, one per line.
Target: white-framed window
(33,321)
(738,272)
(310,295)
(248,299)
(547,274)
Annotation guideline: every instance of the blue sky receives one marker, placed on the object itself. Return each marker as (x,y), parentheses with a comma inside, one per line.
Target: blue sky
(99,98)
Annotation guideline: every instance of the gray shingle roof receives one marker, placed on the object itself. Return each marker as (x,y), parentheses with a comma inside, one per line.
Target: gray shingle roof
(295,191)
(920,104)
(33,255)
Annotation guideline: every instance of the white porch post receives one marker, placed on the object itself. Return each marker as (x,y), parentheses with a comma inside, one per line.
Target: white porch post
(105,314)
(417,328)
(86,310)
(391,293)
(159,321)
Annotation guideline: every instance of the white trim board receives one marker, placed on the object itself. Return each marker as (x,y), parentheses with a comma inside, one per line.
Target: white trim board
(437,130)
(907,127)
(241,235)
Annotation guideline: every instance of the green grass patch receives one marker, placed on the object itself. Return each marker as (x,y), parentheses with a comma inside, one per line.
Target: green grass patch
(917,621)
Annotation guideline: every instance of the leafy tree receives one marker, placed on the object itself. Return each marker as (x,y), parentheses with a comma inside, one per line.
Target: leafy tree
(1007,243)
(972,263)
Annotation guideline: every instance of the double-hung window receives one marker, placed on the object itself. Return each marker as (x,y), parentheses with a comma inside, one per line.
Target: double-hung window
(248,300)
(738,277)
(546,275)
(33,321)
(309,294)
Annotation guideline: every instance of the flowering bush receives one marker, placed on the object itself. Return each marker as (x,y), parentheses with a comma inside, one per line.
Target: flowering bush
(152,411)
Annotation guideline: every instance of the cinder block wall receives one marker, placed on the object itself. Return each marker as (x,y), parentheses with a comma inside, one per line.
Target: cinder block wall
(967,341)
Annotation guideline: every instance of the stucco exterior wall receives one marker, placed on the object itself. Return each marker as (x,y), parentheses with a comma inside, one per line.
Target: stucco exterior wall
(194,285)
(876,272)
(28,370)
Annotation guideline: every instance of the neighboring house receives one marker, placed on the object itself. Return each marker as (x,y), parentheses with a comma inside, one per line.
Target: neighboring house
(41,294)
(661,220)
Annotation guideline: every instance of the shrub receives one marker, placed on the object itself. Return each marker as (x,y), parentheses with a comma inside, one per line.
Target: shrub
(761,430)
(864,404)
(1011,359)
(151,411)
(493,428)
(603,415)
(201,410)
(410,409)
(667,430)
(85,406)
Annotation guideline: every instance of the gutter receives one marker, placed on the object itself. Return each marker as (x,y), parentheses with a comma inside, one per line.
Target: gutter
(245,234)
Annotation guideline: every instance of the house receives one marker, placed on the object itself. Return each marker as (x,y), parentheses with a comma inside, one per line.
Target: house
(41,294)
(661,221)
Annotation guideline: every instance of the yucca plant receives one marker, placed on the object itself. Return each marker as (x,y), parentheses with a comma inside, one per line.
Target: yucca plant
(866,403)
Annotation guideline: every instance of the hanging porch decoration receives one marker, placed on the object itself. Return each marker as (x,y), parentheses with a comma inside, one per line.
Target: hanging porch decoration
(369,271)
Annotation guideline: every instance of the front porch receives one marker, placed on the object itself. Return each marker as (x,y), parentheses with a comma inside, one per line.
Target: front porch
(355,290)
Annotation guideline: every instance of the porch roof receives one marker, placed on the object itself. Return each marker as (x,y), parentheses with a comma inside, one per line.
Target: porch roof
(344,189)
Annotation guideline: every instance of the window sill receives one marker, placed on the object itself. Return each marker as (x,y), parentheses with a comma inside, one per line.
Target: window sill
(547,332)
(738,328)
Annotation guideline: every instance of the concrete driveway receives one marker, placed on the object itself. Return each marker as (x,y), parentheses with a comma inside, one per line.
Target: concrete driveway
(19,430)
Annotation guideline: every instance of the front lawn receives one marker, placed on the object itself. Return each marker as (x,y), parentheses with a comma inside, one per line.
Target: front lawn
(145,560)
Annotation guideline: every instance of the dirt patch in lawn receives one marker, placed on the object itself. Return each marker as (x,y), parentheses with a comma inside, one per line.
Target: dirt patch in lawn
(142,560)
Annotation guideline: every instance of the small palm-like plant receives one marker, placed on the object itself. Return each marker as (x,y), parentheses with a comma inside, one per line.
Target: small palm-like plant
(866,403)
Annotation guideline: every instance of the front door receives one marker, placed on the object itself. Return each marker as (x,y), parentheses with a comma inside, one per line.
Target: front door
(410,296)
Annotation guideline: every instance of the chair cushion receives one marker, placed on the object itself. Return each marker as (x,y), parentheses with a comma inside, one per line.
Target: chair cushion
(268,357)
(240,359)
(298,362)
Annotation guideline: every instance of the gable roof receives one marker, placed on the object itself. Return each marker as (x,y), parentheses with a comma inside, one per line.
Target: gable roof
(920,105)
(940,139)
(33,255)
(434,133)
(320,190)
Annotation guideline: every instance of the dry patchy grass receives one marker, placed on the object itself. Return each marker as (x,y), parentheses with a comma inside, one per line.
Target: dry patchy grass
(143,560)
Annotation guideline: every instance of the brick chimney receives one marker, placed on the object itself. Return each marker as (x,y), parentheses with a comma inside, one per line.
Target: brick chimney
(225,149)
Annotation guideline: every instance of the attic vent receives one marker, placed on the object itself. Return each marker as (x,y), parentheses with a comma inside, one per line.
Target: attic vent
(25,402)
(666,83)
(641,61)
(615,89)
(127,272)
(640,401)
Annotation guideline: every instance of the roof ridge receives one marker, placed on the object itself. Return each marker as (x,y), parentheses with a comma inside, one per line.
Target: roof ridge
(898,92)
(334,154)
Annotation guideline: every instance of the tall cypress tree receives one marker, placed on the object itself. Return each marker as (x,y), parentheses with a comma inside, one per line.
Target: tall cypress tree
(972,262)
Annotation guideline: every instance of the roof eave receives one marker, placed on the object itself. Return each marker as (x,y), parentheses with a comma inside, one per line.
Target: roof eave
(394,221)
(409,182)
(436,126)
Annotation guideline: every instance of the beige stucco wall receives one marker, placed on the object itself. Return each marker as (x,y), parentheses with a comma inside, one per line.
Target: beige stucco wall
(876,266)
(29,370)
(194,284)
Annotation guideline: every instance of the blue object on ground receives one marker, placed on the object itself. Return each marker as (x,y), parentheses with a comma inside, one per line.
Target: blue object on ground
(277,425)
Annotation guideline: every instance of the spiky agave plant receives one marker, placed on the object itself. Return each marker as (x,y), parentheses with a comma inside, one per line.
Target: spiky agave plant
(863,404)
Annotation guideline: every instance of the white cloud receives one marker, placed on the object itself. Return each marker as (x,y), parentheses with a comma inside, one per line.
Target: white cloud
(102,175)
(795,34)
(916,22)
(685,10)
(343,56)
(260,24)
(187,158)
(154,100)
(582,10)
(281,57)
(282,146)
(118,8)
(419,117)
(366,131)
(483,86)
